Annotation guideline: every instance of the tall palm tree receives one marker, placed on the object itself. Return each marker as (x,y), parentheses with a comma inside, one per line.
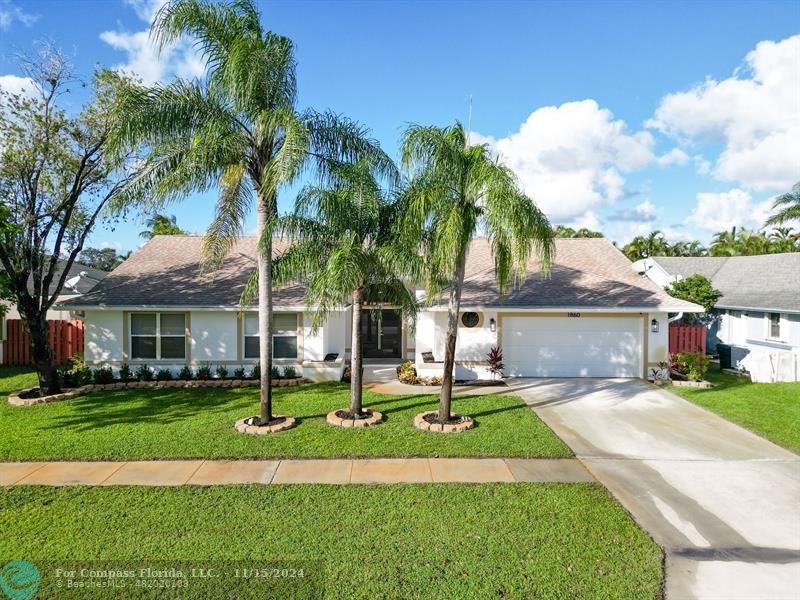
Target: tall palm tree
(788,207)
(237,129)
(455,190)
(345,251)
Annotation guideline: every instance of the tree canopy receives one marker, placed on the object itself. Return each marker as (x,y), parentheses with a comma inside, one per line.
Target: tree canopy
(697,289)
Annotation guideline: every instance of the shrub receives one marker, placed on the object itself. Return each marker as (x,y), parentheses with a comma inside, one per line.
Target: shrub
(164,375)
(435,380)
(290,372)
(256,372)
(125,372)
(495,360)
(275,373)
(143,373)
(238,373)
(186,373)
(222,372)
(103,376)
(694,363)
(407,373)
(204,373)
(74,372)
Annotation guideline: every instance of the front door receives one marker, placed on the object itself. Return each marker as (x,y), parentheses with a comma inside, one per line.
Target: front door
(381,333)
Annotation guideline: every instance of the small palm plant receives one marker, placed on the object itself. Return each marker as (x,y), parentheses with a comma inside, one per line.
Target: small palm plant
(345,250)
(455,190)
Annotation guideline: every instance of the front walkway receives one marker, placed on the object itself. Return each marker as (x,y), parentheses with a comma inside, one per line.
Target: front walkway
(723,502)
(334,471)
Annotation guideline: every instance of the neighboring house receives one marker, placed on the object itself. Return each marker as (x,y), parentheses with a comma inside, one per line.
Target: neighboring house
(80,280)
(592,317)
(758,312)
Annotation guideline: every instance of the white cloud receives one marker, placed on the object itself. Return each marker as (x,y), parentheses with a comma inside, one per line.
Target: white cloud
(644,212)
(143,59)
(10,12)
(16,85)
(571,158)
(720,211)
(754,114)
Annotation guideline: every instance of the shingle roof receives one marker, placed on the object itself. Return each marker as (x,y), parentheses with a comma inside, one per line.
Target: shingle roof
(768,281)
(166,272)
(587,273)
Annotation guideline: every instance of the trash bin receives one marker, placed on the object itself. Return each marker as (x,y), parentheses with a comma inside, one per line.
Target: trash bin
(724,351)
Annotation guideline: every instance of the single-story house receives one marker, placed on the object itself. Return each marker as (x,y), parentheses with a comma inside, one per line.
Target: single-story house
(592,317)
(758,313)
(80,280)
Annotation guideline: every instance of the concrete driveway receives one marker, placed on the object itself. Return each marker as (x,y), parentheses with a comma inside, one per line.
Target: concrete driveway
(723,502)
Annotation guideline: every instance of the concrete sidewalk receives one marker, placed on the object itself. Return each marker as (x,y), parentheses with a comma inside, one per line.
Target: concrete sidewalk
(331,471)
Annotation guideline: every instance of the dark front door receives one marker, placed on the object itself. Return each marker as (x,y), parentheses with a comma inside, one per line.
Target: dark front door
(381,333)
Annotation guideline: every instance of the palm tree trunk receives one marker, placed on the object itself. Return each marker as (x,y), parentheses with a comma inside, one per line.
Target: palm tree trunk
(453,307)
(265,312)
(355,354)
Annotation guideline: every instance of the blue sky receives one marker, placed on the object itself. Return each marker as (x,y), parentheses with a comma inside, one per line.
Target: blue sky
(622,116)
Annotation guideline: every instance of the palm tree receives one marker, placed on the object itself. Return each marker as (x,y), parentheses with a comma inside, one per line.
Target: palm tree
(345,251)
(161,225)
(653,244)
(455,190)
(237,129)
(788,207)
(725,243)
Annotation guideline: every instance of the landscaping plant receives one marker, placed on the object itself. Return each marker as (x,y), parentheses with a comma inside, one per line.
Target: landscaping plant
(289,372)
(407,373)
(276,372)
(204,373)
(144,373)
(693,364)
(125,372)
(222,372)
(186,373)
(457,189)
(495,362)
(164,375)
(103,376)
(238,373)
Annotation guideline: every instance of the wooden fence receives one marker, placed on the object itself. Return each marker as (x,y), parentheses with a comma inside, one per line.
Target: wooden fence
(66,338)
(687,338)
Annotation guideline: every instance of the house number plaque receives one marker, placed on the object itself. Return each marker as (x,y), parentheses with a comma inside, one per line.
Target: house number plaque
(569,314)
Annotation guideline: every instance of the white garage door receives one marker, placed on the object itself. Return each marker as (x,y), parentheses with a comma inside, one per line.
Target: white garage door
(572,346)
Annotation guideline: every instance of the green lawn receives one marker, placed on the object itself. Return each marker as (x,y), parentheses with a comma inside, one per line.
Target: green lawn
(392,541)
(198,423)
(768,409)
(14,379)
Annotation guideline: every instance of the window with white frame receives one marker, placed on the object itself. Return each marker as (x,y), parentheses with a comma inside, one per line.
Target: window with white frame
(158,336)
(284,335)
(774,325)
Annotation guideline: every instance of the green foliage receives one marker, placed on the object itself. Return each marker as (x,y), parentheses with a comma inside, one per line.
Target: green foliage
(103,259)
(103,375)
(562,231)
(57,176)
(275,372)
(163,375)
(693,364)
(407,373)
(221,372)
(144,373)
(239,373)
(75,372)
(204,373)
(161,225)
(787,206)
(255,373)
(186,373)
(125,372)
(697,289)
(289,372)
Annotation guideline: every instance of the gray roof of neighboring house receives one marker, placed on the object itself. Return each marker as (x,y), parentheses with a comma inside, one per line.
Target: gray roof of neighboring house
(587,273)
(767,281)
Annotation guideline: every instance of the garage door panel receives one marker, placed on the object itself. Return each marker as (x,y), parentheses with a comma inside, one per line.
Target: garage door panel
(572,347)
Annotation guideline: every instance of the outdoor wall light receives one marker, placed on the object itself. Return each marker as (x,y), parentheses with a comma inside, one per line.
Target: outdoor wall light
(492,325)
(654,326)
